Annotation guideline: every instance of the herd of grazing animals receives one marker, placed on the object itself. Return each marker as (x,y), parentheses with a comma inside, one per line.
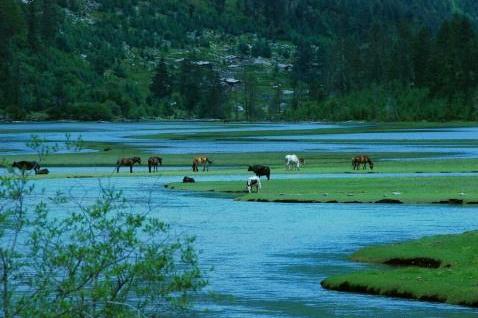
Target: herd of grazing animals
(291,162)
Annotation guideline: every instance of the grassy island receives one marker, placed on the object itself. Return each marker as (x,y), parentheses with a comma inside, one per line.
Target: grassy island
(438,268)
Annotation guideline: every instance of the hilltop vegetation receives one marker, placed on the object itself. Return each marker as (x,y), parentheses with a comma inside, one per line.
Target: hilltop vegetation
(239,59)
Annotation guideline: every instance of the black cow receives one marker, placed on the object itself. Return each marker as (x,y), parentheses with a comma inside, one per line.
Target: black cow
(260,171)
(188,180)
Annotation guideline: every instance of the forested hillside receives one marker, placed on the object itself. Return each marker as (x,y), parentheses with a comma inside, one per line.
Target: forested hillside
(239,59)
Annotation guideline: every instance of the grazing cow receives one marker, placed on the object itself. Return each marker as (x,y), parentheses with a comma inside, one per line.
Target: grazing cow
(292,161)
(128,162)
(43,171)
(204,161)
(261,171)
(154,162)
(254,183)
(188,180)
(361,160)
(26,165)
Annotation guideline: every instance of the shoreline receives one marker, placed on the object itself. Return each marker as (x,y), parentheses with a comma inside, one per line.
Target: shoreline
(438,268)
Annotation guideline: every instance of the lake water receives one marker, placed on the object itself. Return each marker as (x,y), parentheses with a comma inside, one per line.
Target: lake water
(14,136)
(268,259)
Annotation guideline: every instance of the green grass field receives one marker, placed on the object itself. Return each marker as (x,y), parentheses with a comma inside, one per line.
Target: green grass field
(445,270)
(353,189)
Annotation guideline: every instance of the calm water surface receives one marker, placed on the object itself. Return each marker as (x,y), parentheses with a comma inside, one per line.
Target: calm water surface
(268,259)
(14,136)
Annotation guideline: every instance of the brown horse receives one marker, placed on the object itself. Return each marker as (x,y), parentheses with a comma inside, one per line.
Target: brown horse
(26,165)
(154,162)
(361,160)
(204,161)
(128,162)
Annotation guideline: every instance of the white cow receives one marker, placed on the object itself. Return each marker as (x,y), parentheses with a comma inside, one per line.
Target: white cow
(254,182)
(292,161)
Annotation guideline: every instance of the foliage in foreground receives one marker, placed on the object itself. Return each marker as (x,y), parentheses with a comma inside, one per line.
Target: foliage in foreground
(100,260)
(454,281)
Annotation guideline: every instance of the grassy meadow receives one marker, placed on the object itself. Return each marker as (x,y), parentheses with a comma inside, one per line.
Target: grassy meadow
(412,190)
(438,268)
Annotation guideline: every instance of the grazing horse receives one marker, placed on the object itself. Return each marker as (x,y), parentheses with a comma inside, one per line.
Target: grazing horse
(254,182)
(154,162)
(204,161)
(361,160)
(128,162)
(261,171)
(26,165)
(292,161)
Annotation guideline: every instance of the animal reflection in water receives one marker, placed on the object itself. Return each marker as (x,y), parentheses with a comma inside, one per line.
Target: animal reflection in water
(204,161)
(254,182)
(293,162)
(26,165)
(154,162)
(127,162)
(361,160)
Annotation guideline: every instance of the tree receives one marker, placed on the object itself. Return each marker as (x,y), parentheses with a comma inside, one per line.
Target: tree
(33,25)
(276,100)
(212,104)
(303,62)
(161,84)
(219,5)
(189,85)
(49,20)
(11,22)
(421,57)
(103,259)
(250,93)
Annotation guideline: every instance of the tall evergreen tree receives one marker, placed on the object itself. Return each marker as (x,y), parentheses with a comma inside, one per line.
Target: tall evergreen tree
(250,94)
(32,22)
(49,20)
(161,83)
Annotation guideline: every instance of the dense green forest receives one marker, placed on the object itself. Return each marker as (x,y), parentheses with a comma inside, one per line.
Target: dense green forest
(239,59)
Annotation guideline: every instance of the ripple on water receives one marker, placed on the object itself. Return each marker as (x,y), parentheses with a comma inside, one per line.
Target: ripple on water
(268,259)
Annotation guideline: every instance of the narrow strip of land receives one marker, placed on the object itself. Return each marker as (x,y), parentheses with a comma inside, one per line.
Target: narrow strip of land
(411,190)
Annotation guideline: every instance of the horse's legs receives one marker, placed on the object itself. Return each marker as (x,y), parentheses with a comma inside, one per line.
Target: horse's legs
(131,169)
(117,168)
(149,168)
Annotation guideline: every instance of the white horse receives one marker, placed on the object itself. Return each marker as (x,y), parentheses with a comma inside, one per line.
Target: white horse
(292,161)
(254,182)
